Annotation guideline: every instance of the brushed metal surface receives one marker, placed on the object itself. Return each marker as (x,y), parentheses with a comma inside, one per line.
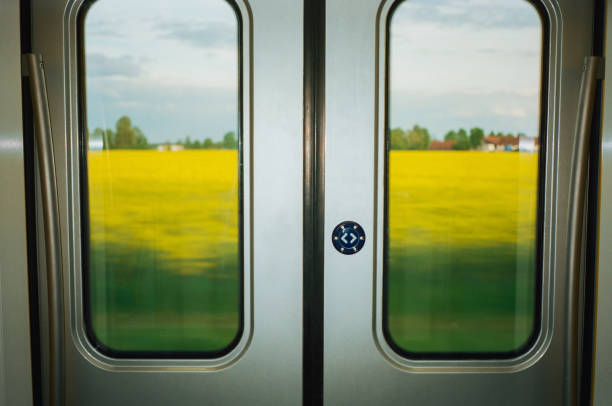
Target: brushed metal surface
(269,355)
(52,238)
(357,368)
(602,376)
(15,363)
(592,69)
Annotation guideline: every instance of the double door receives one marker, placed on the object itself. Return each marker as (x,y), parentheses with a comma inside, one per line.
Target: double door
(346,202)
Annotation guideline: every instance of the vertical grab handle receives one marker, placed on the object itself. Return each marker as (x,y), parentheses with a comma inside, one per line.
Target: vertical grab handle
(592,72)
(46,164)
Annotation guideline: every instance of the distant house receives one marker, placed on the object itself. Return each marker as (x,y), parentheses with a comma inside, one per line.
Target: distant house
(441,145)
(529,144)
(166,147)
(500,143)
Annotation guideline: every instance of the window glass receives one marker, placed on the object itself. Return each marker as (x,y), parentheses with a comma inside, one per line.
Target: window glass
(463,145)
(161,228)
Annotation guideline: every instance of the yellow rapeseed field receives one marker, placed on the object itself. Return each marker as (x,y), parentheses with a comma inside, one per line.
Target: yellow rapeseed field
(182,205)
(470,210)
(461,270)
(463,198)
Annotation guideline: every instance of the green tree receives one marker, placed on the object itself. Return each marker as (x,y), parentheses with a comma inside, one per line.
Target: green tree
(229,141)
(141,140)
(107,136)
(417,138)
(463,142)
(208,143)
(109,139)
(124,137)
(197,144)
(127,136)
(460,137)
(397,139)
(450,136)
(476,136)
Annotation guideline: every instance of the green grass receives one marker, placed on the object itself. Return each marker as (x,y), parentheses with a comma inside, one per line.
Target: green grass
(451,299)
(140,302)
(461,271)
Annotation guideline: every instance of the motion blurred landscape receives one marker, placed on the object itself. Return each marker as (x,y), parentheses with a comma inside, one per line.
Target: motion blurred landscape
(165,269)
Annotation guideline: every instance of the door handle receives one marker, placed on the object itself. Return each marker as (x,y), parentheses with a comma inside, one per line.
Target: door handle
(593,70)
(53,255)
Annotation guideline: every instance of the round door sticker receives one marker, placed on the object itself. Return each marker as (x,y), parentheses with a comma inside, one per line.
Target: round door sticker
(348,237)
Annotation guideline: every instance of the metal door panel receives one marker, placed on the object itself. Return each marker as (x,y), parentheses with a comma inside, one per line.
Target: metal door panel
(15,362)
(269,355)
(357,367)
(602,391)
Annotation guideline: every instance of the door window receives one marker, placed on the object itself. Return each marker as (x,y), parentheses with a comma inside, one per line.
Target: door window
(464,141)
(162,179)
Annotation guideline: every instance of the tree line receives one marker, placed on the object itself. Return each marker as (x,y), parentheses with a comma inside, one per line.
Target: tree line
(128,136)
(229,141)
(418,138)
(125,136)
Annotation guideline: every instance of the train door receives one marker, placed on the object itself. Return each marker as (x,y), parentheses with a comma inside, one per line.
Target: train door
(15,371)
(369,207)
(449,130)
(602,369)
(176,248)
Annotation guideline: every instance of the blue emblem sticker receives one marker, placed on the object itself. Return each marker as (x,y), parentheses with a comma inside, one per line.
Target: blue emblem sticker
(348,237)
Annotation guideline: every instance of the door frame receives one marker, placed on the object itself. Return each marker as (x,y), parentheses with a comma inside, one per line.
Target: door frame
(380,374)
(16,380)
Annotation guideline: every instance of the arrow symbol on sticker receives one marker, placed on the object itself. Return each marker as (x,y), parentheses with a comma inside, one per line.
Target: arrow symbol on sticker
(348,238)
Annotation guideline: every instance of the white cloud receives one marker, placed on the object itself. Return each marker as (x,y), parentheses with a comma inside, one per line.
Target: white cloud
(463,63)
(202,34)
(509,111)
(496,111)
(118,66)
(164,111)
(479,14)
(171,66)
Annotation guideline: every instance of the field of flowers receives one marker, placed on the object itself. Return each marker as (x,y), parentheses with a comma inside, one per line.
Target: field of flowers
(461,250)
(164,257)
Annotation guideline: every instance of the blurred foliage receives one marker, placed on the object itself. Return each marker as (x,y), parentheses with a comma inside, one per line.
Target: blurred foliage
(125,136)
(461,250)
(419,138)
(413,139)
(128,136)
(165,255)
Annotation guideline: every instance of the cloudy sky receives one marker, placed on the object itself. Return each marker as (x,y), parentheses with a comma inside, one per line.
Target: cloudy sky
(465,63)
(171,65)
